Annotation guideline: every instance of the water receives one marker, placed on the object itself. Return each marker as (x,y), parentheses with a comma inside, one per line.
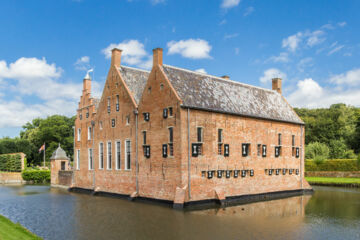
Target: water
(331,213)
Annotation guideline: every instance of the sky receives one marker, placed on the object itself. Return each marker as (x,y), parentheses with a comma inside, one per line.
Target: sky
(46,47)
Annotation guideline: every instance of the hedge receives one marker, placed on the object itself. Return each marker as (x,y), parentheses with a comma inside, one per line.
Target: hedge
(333,165)
(37,176)
(10,162)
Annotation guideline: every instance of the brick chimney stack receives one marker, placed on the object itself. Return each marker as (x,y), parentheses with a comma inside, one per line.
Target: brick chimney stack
(157,56)
(276,85)
(116,57)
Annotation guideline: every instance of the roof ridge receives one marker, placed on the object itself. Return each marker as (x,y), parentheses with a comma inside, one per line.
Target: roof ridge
(220,78)
(138,69)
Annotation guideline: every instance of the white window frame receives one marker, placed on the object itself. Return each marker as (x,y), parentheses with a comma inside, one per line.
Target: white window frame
(126,161)
(118,154)
(78,159)
(89,133)
(91,158)
(101,149)
(78,134)
(108,163)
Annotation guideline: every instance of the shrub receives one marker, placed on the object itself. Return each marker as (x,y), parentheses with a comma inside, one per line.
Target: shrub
(333,165)
(316,149)
(319,159)
(10,162)
(38,176)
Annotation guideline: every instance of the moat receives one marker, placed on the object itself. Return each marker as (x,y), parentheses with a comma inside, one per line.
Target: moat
(330,213)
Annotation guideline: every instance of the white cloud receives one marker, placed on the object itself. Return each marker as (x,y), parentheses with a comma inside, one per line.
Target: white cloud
(157,1)
(229,36)
(271,73)
(351,78)
(283,57)
(133,52)
(201,70)
(37,91)
(229,3)
(328,26)
(191,48)
(304,63)
(315,38)
(311,95)
(82,63)
(342,24)
(336,49)
(292,42)
(249,11)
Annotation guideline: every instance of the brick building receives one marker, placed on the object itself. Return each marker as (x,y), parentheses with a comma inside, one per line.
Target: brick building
(185,137)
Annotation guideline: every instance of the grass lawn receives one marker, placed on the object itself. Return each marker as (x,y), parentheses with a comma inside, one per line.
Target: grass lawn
(10,230)
(333,180)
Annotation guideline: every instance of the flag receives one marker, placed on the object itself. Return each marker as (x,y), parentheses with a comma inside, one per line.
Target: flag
(42,148)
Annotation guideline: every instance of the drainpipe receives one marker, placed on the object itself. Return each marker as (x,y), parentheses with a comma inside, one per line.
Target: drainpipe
(301,158)
(72,179)
(189,149)
(136,151)
(93,139)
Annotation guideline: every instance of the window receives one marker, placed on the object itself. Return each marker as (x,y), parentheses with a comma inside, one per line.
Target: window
(127,119)
(149,90)
(146,116)
(118,152)
(259,149)
(108,105)
(165,113)
(117,103)
(171,141)
(220,140)
(91,166)
(80,116)
(62,165)
(78,160)
(293,140)
(128,155)
(89,133)
(277,151)
(264,150)
(245,149)
(200,134)
(87,113)
(101,155)
(161,86)
(100,124)
(109,155)
(279,139)
(226,150)
(113,122)
(78,134)
(144,137)
(170,111)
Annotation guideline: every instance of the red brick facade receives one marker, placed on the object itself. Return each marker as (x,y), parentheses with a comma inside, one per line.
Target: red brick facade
(180,176)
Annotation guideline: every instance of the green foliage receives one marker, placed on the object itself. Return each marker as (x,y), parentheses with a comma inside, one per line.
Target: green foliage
(317,150)
(358,159)
(10,163)
(38,176)
(51,131)
(333,165)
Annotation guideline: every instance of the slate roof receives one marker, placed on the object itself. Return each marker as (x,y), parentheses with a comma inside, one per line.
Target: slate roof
(135,79)
(206,92)
(59,154)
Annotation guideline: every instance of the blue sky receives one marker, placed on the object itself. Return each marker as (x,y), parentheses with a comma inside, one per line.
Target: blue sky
(47,46)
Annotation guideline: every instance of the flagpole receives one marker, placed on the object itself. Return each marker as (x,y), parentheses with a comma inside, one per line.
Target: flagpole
(44,154)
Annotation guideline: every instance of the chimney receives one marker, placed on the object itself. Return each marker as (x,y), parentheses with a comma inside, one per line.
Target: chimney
(116,57)
(87,83)
(157,56)
(226,77)
(276,84)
